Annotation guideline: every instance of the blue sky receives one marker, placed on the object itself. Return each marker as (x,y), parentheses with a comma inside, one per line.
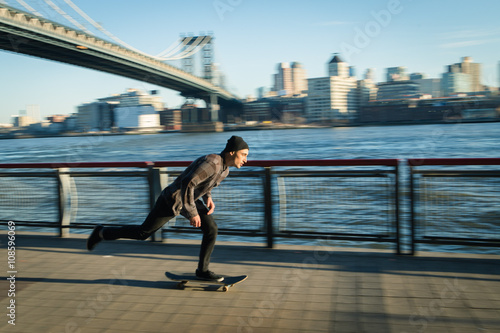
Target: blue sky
(252,36)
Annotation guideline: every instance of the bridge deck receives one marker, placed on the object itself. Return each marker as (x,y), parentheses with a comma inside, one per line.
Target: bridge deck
(120,287)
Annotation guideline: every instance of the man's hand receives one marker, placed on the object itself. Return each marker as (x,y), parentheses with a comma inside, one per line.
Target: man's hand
(210,205)
(195,221)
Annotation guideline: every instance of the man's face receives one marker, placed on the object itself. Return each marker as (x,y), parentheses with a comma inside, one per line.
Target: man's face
(238,158)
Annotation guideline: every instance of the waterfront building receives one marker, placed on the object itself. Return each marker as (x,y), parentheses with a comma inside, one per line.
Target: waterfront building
(96,116)
(135,97)
(333,98)
(470,68)
(430,110)
(171,119)
(337,67)
(71,123)
(283,79)
(57,118)
(431,87)
(289,110)
(299,79)
(397,90)
(262,92)
(290,80)
(259,111)
(136,117)
(367,91)
(33,111)
(456,82)
(396,74)
(103,114)
(23,121)
(370,74)
(417,76)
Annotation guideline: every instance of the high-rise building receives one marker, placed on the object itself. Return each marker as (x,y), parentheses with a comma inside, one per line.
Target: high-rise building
(417,76)
(470,68)
(370,74)
(290,80)
(33,111)
(456,82)
(396,74)
(367,91)
(283,79)
(337,67)
(334,97)
(299,79)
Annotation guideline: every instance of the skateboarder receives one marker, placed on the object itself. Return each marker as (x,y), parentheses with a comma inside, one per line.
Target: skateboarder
(183,197)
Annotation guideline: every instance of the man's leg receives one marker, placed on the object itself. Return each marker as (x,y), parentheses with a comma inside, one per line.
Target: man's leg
(209,229)
(152,223)
(159,215)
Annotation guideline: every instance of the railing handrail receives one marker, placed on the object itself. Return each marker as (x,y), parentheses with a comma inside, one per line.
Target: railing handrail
(254,163)
(143,164)
(453,161)
(327,162)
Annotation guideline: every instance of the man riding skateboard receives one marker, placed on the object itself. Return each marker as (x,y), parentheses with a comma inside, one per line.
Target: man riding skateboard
(183,197)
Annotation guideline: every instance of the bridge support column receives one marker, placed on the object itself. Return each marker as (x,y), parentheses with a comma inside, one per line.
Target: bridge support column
(214,108)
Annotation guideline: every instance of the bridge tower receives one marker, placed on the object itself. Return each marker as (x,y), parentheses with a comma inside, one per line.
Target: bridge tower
(191,45)
(208,60)
(205,43)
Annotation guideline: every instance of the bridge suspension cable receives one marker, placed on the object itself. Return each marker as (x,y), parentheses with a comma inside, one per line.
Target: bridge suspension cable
(199,43)
(28,7)
(178,50)
(161,56)
(67,16)
(171,51)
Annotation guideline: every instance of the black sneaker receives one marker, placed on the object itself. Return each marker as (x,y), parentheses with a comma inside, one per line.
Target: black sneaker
(209,276)
(94,238)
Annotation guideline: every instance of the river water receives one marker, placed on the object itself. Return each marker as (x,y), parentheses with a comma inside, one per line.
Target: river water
(418,141)
(455,140)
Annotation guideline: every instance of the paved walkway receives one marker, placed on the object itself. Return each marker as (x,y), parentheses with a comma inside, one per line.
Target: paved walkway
(120,287)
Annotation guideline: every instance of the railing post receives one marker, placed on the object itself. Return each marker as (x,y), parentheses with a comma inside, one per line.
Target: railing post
(63,193)
(268,207)
(398,231)
(154,193)
(412,211)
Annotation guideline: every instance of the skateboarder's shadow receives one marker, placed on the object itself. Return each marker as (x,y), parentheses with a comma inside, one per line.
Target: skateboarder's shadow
(111,283)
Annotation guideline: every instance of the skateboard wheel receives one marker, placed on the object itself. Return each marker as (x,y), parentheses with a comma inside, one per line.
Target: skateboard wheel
(225,288)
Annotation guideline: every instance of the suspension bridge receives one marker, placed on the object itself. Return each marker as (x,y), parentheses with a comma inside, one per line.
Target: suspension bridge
(27,31)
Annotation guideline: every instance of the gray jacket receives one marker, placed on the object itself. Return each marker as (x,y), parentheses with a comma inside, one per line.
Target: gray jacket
(196,182)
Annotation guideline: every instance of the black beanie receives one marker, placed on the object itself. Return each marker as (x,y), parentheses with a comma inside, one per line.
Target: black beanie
(235,143)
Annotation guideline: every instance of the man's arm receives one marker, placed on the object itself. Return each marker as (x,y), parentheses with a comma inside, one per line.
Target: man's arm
(200,174)
(210,205)
(195,221)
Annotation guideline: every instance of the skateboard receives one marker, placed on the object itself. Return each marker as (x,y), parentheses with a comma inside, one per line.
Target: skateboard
(183,279)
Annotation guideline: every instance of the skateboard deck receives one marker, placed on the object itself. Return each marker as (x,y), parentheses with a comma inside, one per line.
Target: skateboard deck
(184,279)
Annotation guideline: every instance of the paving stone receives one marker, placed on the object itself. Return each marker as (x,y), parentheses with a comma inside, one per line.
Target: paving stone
(120,287)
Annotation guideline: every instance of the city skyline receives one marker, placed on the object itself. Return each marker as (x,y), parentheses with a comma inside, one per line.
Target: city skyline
(252,37)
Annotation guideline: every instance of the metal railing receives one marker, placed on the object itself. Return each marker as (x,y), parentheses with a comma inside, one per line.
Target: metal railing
(452,201)
(455,201)
(354,200)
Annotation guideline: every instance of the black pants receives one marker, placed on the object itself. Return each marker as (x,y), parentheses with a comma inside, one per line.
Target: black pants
(161,214)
